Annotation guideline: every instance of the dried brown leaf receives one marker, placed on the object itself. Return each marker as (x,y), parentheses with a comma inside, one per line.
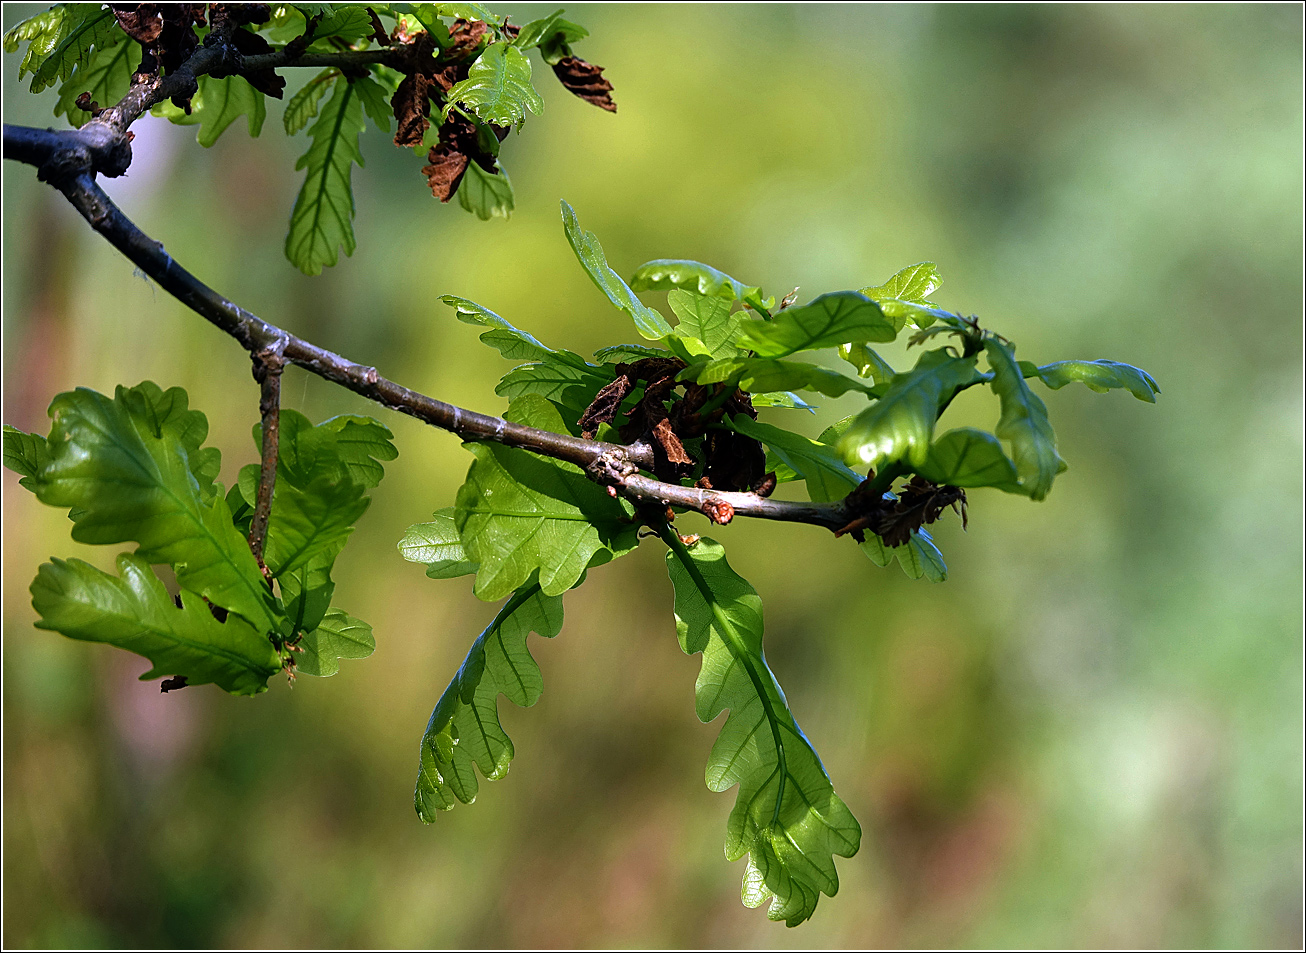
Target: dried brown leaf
(586,81)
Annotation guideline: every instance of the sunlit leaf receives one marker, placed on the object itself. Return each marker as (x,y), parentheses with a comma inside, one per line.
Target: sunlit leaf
(766,374)
(827,321)
(338,636)
(498,86)
(667,273)
(322,220)
(519,513)
(708,319)
(786,817)
(485,195)
(1024,423)
(820,465)
(900,424)
(304,104)
(464,729)
(105,76)
(1100,376)
(589,252)
(868,363)
(217,104)
(438,546)
(134,612)
(60,40)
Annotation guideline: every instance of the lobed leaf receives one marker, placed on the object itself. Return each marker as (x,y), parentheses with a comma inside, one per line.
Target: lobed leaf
(903,297)
(968,457)
(134,612)
(486,195)
(132,468)
(820,465)
(900,424)
(26,454)
(438,545)
(706,319)
(589,252)
(322,219)
(217,104)
(626,353)
(464,729)
(498,86)
(664,274)
(1024,423)
(1100,376)
(105,77)
(304,104)
(519,514)
(338,636)
(60,40)
(786,817)
(562,383)
(767,374)
(827,321)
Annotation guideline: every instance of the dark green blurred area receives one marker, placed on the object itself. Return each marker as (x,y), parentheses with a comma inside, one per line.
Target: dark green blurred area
(1089,735)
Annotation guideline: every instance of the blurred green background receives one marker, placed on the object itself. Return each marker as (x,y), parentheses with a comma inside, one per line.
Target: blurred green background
(1089,735)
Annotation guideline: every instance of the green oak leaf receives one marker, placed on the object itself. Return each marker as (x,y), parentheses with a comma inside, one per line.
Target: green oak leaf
(968,457)
(914,283)
(304,104)
(133,468)
(628,353)
(1024,423)
(519,514)
(105,77)
(338,636)
(486,195)
(348,21)
(665,274)
(786,817)
(498,86)
(820,465)
(217,104)
(512,343)
(1100,376)
(707,319)
(464,729)
(827,321)
(438,546)
(555,45)
(903,297)
(26,454)
(322,219)
(589,253)
(562,383)
(134,612)
(920,557)
(868,363)
(767,374)
(782,398)
(62,39)
(900,424)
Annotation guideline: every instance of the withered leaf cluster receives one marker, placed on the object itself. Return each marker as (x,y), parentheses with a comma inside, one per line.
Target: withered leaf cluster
(667,421)
(919,503)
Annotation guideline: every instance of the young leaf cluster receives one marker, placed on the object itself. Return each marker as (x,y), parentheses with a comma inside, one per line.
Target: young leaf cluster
(468,63)
(133,468)
(530,528)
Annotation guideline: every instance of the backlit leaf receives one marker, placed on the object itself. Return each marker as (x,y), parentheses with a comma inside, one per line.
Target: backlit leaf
(438,546)
(338,636)
(464,729)
(968,457)
(766,374)
(322,220)
(485,195)
(498,86)
(707,319)
(134,612)
(667,273)
(589,252)
(827,321)
(217,104)
(900,424)
(1100,376)
(1024,423)
(519,513)
(786,817)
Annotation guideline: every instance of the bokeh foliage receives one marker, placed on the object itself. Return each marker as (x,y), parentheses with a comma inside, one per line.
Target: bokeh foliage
(1088,735)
